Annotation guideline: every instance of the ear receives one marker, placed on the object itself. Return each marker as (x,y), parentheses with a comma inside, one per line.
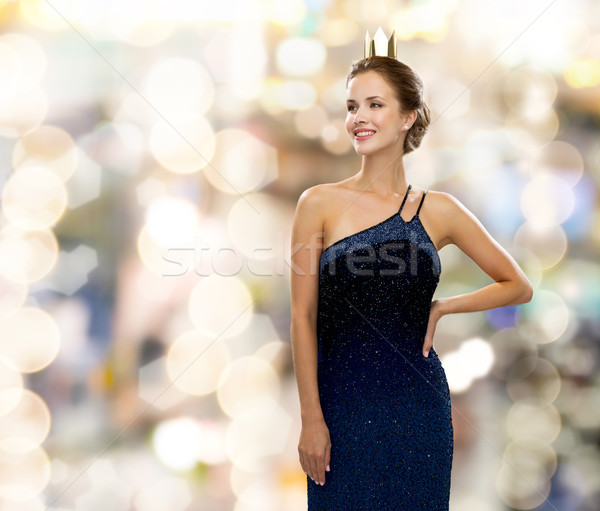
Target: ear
(410,117)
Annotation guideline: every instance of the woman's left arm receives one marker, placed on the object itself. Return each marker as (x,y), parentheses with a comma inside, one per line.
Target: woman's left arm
(510,286)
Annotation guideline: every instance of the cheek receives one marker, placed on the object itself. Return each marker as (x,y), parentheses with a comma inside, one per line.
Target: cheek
(349,123)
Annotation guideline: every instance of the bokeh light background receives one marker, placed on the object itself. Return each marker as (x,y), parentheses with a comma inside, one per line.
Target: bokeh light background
(151,155)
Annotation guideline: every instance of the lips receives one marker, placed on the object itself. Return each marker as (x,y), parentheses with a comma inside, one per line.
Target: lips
(363,134)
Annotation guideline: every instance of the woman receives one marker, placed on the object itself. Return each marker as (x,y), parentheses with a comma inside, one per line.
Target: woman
(375,404)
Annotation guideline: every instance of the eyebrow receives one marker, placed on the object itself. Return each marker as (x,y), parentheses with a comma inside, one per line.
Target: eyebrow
(370,97)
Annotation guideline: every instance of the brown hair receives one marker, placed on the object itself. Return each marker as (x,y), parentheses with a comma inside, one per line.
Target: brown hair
(409,91)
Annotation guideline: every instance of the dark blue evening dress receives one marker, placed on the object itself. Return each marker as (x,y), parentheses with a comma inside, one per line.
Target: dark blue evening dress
(387,406)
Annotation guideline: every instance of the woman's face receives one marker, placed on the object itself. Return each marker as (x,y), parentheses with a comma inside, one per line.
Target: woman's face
(374,120)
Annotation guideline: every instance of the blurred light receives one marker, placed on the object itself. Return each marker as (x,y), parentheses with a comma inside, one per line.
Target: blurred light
(535,418)
(149,190)
(220,307)
(299,56)
(427,20)
(237,57)
(262,495)
(23,110)
(286,12)
(338,31)
(23,475)
(521,485)
(333,97)
(157,257)
(139,22)
(503,317)
(170,220)
(26,256)
(450,97)
(472,360)
(23,103)
(152,497)
(545,318)
(582,73)
(560,159)
(547,200)
(269,97)
(258,226)
(479,356)
(26,425)
(177,442)
(468,502)
(13,295)
(257,435)
(248,383)
(42,14)
(72,271)
(34,198)
(29,339)
(84,185)
(49,146)
(528,92)
(296,95)
(310,122)
(195,362)
(578,283)
(334,137)
(11,67)
(11,385)
(185,147)
(585,409)
(534,450)
(34,504)
(108,490)
(156,387)
(533,377)
(241,163)
(119,146)
(30,53)
(548,243)
(179,88)
(213,448)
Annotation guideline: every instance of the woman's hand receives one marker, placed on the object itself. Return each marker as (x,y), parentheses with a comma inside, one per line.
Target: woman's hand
(315,449)
(435,314)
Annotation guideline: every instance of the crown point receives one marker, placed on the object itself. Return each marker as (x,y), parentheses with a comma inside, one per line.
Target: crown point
(380,44)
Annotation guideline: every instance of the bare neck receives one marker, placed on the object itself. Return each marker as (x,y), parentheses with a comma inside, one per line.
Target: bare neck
(382,174)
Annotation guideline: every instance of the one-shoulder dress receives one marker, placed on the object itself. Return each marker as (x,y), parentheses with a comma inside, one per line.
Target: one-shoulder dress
(386,405)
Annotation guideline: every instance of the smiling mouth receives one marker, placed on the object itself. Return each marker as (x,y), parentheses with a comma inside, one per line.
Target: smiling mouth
(364,134)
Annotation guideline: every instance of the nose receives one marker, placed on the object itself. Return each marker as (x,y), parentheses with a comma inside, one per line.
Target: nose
(358,116)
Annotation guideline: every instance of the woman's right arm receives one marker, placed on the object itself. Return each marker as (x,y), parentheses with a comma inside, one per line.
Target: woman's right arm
(314,446)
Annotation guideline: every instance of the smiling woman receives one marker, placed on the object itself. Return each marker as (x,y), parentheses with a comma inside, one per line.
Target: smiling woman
(408,92)
(375,401)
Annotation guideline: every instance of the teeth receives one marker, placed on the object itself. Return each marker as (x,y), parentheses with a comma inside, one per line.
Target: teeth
(364,133)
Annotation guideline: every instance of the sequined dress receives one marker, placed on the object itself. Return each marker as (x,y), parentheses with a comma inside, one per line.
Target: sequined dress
(387,406)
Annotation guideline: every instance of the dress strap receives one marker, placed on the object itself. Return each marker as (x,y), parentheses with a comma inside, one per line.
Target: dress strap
(421,203)
(404,200)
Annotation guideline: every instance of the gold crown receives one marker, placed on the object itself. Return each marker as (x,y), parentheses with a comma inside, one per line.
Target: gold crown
(377,45)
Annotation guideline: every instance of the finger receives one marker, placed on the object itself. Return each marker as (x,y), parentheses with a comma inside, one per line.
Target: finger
(320,470)
(311,466)
(302,461)
(327,457)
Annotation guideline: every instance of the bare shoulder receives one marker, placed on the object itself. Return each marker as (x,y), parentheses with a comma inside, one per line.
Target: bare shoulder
(445,217)
(318,199)
(447,209)
(443,203)
(312,202)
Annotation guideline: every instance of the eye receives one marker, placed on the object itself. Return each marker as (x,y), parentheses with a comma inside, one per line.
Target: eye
(350,107)
(375,104)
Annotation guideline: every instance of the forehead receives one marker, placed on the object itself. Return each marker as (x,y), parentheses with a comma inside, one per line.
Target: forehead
(367,84)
